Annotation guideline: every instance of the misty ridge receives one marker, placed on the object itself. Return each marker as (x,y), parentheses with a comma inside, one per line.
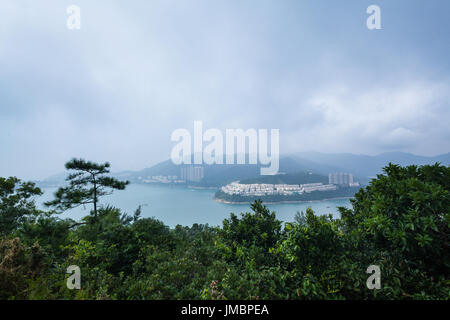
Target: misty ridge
(363,167)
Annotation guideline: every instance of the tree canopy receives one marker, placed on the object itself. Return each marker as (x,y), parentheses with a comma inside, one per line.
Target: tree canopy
(87,184)
(399,222)
(16,203)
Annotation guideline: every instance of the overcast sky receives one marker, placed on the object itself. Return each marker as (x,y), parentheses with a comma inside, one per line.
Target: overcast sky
(137,70)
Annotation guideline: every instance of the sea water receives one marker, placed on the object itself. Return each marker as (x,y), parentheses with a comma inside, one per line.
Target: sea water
(179,205)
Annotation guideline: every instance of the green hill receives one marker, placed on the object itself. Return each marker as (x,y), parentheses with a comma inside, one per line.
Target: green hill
(289,178)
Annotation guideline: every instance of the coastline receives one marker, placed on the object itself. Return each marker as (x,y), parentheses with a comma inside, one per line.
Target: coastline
(280,202)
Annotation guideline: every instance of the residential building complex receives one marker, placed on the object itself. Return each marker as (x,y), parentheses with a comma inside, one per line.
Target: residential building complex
(236,188)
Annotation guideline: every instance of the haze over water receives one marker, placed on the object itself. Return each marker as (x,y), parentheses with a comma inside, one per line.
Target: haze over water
(178,205)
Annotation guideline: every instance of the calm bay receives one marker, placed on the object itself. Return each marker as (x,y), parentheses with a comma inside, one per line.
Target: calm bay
(179,205)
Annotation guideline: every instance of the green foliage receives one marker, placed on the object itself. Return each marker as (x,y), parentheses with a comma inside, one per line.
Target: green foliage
(288,178)
(260,228)
(86,185)
(402,219)
(313,246)
(399,222)
(19,265)
(16,203)
(51,233)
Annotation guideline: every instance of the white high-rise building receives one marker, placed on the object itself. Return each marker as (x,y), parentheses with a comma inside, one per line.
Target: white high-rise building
(340,179)
(192,173)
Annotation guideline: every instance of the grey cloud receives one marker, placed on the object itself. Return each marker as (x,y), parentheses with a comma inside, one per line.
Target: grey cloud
(116,89)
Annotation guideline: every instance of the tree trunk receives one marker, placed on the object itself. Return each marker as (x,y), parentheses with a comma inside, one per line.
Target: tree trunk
(95,197)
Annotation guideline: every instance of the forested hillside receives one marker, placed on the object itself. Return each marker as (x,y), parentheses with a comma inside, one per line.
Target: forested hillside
(289,178)
(399,222)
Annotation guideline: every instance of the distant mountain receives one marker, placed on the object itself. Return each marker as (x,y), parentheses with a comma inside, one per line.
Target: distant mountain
(293,164)
(56,180)
(365,166)
(443,158)
(165,168)
(217,175)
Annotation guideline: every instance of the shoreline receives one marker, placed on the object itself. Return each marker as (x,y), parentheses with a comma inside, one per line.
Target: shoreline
(280,202)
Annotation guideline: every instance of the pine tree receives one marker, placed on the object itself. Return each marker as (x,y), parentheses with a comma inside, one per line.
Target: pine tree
(87,184)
